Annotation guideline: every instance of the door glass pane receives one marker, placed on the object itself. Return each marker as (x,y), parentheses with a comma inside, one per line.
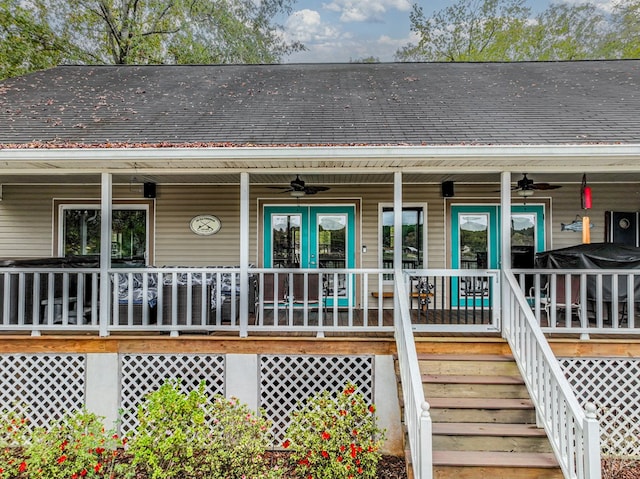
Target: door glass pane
(474,252)
(523,229)
(81,233)
(332,233)
(285,241)
(332,230)
(474,240)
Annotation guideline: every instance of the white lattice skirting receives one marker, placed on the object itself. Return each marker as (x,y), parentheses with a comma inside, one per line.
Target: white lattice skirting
(612,384)
(285,381)
(45,387)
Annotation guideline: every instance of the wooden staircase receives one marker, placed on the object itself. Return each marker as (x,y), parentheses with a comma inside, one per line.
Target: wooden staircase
(483,419)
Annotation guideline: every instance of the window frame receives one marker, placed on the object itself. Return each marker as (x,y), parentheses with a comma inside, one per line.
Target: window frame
(60,205)
(405,206)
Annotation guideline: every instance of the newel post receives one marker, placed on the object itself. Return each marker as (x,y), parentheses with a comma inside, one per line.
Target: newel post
(426,446)
(591,428)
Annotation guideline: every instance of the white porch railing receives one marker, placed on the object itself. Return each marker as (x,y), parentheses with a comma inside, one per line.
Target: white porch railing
(584,301)
(574,434)
(417,418)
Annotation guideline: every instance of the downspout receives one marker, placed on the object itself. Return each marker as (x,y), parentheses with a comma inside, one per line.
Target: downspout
(105,252)
(244,254)
(505,248)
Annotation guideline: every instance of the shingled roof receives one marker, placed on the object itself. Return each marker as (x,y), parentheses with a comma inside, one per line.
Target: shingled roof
(543,103)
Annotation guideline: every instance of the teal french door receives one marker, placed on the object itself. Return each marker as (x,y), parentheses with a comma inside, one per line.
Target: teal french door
(312,237)
(476,243)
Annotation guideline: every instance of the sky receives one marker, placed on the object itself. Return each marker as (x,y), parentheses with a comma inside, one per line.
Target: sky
(349,30)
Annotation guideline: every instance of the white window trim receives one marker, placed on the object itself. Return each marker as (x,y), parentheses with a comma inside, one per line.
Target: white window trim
(64,205)
(381,207)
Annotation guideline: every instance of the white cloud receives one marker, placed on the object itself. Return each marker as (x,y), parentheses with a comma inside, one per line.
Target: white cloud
(306,26)
(604,5)
(366,10)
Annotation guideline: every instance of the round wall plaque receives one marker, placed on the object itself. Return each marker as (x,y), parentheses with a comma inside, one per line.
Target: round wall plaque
(205,225)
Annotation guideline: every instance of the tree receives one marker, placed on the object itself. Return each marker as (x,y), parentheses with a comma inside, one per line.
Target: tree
(469,30)
(505,30)
(144,31)
(26,42)
(563,32)
(623,38)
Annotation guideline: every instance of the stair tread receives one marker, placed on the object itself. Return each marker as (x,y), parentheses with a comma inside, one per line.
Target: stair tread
(480,403)
(487,429)
(465,357)
(484,459)
(470,379)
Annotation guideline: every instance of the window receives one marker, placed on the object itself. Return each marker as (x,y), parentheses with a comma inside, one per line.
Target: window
(79,231)
(413,237)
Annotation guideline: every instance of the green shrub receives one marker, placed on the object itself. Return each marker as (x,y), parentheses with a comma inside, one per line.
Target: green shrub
(14,434)
(186,435)
(335,437)
(74,448)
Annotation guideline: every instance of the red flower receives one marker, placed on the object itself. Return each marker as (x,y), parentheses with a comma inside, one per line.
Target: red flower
(124,441)
(325,454)
(339,458)
(61,459)
(342,412)
(326,435)
(83,472)
(372,409)
(342,448)
(349,390)
(64,444)
(353,453)
(354,432)
(360,470)
(99,450)
(286,444)
(74,475)
(23,466)
(97,467)
(1,470)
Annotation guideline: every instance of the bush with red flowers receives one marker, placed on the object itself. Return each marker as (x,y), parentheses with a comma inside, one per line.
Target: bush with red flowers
(335,436)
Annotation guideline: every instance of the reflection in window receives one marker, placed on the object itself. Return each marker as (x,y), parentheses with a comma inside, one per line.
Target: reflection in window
(332,231)
(523,229)
(412,238)
(474,240)
(81,233)
(285,241)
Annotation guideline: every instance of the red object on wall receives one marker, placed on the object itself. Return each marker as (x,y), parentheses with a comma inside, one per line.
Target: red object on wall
(585,194)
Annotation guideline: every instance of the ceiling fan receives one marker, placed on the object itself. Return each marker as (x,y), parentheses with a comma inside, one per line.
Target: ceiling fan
(525,186)
(297,188)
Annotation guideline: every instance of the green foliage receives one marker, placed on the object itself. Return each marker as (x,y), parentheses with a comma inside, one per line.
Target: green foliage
(77,446)
(14,434)
(335,436)
(186,435)
(37,34)
(506,30)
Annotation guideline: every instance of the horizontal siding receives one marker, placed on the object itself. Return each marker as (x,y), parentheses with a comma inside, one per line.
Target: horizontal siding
(26,222)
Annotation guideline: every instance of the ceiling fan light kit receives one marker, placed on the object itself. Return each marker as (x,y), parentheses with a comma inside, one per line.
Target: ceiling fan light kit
(298,189)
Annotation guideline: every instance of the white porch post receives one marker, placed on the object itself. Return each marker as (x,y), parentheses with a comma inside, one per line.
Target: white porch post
(397,221)
(244,254)
(505,239)
(105,252)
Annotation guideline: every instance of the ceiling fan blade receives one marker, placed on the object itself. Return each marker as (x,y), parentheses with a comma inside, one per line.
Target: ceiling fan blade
(312,190)
(285,188)
(545,186)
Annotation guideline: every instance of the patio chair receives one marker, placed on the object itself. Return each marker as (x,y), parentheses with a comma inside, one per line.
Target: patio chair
(269,296)
(563,302)
(314,297)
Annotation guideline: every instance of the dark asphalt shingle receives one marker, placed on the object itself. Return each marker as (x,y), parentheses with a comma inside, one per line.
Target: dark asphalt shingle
(332,104)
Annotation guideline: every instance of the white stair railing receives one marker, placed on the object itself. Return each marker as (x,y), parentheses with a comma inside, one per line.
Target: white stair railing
(573,432)
(416,409)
